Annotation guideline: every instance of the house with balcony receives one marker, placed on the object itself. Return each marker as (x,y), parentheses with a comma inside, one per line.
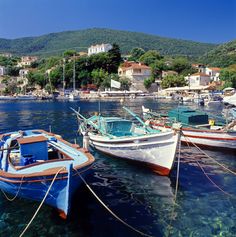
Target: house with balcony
(136,72)
(99,48)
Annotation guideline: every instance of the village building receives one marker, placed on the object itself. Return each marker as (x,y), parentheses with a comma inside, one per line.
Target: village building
(2,70)
(27,60)
(198,79)
(213,72)
(136,72)
(7,55)
(23,73)
(99,48)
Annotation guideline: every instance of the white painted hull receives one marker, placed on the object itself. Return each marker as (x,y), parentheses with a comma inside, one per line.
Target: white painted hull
(156,151)
(210,138)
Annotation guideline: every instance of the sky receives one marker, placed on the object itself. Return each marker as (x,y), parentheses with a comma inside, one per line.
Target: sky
(211,21)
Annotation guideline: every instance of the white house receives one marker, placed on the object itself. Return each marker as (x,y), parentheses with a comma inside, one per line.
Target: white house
(2,70)
(198,79)
(136,72)
(23,73)
(213,72)
(99,48)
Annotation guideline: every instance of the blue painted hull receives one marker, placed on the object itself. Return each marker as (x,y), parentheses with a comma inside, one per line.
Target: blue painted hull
(35,188)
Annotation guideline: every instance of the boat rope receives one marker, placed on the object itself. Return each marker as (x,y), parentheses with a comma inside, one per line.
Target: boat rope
(12,199)
(46,194)
(204,172)
(110,211)
(169,227)
(217,186)
(218,163)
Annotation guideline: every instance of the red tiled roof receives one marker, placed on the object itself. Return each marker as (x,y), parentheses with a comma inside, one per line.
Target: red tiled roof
(133,65)
(215,68)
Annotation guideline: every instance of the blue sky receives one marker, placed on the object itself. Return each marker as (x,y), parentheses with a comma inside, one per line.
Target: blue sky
(199,20)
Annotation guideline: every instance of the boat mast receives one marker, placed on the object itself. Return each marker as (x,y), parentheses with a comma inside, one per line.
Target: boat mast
(63,76)
(74,75)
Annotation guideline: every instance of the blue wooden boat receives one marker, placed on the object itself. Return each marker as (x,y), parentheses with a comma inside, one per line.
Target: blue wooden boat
(35,164)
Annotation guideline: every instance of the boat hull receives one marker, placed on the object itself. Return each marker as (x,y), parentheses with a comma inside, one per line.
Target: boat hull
(210,138)
(207,137)
(36,187)
(156,152)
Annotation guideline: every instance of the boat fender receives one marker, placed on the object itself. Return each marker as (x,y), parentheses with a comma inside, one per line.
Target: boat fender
(86,141)
(211,122)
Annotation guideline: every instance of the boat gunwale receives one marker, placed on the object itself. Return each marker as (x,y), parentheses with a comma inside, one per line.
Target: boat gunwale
(203,131)
(50,171)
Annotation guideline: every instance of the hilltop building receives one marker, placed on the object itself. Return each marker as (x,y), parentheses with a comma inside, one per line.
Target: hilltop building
(99,48)
(7,55)
(136,72)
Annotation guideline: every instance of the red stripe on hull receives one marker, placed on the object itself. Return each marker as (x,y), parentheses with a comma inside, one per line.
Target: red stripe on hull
(211,138)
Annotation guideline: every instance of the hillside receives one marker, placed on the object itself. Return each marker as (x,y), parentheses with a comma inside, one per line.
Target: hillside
(222,56)
(56,43)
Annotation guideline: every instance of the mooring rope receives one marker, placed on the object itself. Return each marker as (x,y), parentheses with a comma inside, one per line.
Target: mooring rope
(217,186)
(169,227)
(12,199)
(49,188)
(218,163)
(110,211)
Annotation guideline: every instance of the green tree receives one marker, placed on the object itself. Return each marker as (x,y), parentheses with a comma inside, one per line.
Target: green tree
(98,76)
(173,81)
(157,67)
(148,82)
(136,53)
(69,53)
(150,57)
(228,75)
(114,59)
(180,65)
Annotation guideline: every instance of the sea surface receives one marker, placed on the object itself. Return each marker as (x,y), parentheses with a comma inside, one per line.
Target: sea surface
(205,200)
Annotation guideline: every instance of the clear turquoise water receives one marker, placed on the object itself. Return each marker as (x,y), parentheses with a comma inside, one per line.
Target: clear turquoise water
(140,197)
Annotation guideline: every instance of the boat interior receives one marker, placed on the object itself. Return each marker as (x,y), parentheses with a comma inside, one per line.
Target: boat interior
(29,149)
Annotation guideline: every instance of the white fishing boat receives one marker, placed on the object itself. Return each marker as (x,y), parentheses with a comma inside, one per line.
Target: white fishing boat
(125,139)
(196,127)
(230,100)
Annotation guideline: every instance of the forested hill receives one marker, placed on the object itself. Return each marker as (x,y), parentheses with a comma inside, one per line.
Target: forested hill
(222,56)
(56,43)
